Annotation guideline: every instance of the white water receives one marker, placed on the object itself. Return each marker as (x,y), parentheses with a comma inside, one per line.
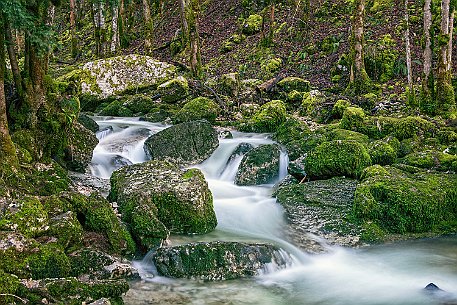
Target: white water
(381,275)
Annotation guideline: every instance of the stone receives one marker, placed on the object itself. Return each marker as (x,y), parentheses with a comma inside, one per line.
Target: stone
(259,165)
(78,153)
(200,108)
(291,83)
(157,197)
(107,77)
(88,122)
(174,90)
(219,260)
(320,208)
(186,143)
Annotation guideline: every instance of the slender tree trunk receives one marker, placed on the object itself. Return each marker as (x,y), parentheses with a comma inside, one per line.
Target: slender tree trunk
(272,20)
(98,9)
(74,39)
(444,89)
(13,59)
(408,50)
(426,81)
(451,34)
(185,26)
(359,80)
(121,23)
(148,25)
(195,56)
(7,150)
(115,29)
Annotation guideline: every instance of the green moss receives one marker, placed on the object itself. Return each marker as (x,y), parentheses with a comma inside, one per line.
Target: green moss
(289,84)
(252,24)
(174,90)
(372,233)
(116,108)
(353,119)
(28,217)
(339,108)
(343,134)
(139,104)
(271,65)
(401,202)
(430,159)
(229,84)
(268,118)
(337,158)
(49,262)
(197,109)
(67,229)
(9,284)
(314,105)
(382,153)
(149,231)
(374,170)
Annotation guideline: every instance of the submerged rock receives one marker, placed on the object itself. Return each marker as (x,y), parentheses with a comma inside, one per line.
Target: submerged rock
(157,197)
(259,165)
(320,209)
(88,122)
(219,260)
(185,143)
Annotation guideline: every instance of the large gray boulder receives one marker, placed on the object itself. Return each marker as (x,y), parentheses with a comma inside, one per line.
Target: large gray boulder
(219,260)
(259,165)
(78,153)
(184,144)
(157,197)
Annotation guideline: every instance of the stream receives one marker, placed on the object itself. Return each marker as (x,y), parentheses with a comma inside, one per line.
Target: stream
(390,274)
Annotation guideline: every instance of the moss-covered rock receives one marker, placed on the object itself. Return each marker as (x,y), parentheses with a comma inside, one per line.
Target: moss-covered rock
(88,122)
(174,90)
(49,262)
(198,109)
(382,152)
(343,134)
(67,229)
(139,103)
(430,159)
(78,153)
(315,106)
(25,215)
(9,284)
(252,25)
(288,84)
(185,143)
(47,179)
(397,201)
(229,84)
(259,165)
(111,76)
(337,158)
(353,119)
(179,199)
(217,260)
(116,108)
(268,118)
(339,108)
(322,208)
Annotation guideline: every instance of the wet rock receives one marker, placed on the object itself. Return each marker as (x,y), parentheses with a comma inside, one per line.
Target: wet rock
(87,184)
(88,122)
(157,197)
(119,161)
(174,90)
(218,260)
(72,291)
(240,150)
(81,146)
(224,134)
(442,296)
(102,301)
(185,143)
(320,209)
(259,166)
(66,228)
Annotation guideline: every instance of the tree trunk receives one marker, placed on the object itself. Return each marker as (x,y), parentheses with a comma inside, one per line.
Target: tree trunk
(426,81)
(444,90)
(7,151)
(74,40)
(148,25)
(451,34)
(98,9)
(195,56)
(185,26)
(359,80)
(272,21)
(13,59)
(408,50)
(115,29)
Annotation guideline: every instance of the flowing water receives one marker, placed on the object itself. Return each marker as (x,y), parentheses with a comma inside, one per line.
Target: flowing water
(392,274)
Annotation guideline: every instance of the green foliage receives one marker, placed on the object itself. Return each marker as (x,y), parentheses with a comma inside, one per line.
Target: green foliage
(252,25)
(380,58)
(197,109)
(339,108)
(337,158)
(289,84)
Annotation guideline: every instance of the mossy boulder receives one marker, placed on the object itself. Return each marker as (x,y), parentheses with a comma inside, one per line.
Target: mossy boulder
(343,134)
(157,197)
(107,77)
(88,122)
(198,109)
(78,153)
(116,108)
(229,84)
(67,229)
(9,284)
(139,103)
(268,118)
(259,165)
(185,143)
(385,151)
(353,119)
(337,158)
(431,159)
(25,215)
(397,201)
(218,260)
(174,90)
(72,291)
(252,25)
(315,106)
(288,84)
(322,208)
(339,108)
(49,262)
